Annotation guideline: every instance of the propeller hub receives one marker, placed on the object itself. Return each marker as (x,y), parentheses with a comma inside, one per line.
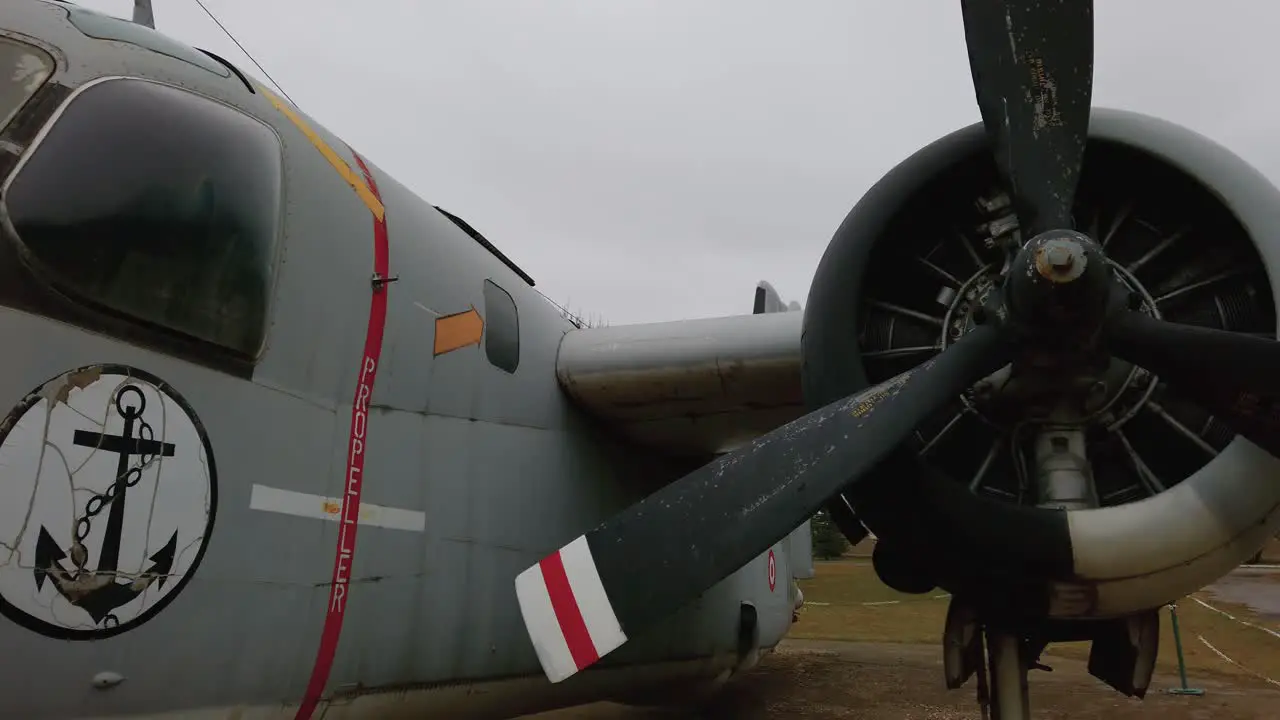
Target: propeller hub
(1061,259)
(1058,287)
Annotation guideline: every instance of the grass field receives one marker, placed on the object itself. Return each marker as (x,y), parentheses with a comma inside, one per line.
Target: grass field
(846,601)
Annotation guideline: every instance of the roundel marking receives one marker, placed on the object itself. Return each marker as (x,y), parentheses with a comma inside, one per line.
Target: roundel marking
(108,493)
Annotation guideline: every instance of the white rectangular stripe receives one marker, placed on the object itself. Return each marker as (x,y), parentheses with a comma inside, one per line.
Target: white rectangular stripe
(543,627)
(593,602)
(319,507)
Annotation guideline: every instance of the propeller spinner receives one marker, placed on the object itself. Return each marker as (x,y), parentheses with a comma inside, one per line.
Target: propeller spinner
(1059,304)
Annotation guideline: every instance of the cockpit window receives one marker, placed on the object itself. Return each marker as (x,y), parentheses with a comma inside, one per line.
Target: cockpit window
(160,205)
(23,69)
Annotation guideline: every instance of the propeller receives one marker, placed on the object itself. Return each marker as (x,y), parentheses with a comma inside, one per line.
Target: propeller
(1032,66)
(1234,375)
(1032,72)
(654,557)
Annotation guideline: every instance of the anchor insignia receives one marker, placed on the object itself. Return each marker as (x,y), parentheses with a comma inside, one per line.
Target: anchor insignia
(99,591)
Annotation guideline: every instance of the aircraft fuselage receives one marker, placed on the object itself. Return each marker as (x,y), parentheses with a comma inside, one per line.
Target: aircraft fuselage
(278,430)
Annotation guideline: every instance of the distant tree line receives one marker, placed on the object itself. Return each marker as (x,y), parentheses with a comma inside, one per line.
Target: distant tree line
(828,542)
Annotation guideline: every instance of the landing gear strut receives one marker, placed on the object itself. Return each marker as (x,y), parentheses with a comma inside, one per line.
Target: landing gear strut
(1123,654)
(1010,698)
(996,655)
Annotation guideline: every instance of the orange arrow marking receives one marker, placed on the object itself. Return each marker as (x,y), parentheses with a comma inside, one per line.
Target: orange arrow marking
(458,331)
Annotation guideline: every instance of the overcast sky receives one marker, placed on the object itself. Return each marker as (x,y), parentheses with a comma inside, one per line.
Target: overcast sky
(652,159)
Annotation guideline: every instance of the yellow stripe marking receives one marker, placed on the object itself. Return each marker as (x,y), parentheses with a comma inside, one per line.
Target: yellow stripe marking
(354,180)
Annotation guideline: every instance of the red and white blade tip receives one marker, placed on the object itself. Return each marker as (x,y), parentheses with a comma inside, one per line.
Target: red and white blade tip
(567,611)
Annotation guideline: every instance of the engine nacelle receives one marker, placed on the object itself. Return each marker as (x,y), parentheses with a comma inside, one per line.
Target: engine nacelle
(1198,230)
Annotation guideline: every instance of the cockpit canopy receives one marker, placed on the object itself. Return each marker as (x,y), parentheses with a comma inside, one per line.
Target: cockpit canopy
(157,204)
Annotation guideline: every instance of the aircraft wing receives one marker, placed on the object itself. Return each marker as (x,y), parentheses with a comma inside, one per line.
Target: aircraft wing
(690,387)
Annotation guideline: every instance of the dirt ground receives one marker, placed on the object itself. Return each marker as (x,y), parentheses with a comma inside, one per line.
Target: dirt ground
(862,650)
(825,680)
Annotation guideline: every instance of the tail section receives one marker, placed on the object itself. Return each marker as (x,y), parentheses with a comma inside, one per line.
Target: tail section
(142,14)
(768,300)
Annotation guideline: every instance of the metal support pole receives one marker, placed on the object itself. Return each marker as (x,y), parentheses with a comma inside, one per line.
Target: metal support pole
(1008,677)
(1182,663)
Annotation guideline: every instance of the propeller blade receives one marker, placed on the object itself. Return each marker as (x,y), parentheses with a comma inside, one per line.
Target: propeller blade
(651,559)
(1236,376)
(1032,66)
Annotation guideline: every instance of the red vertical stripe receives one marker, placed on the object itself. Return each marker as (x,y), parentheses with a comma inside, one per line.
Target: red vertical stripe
(344,557)
(565,605)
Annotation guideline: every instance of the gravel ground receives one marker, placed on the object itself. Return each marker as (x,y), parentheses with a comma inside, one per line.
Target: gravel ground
(818,680)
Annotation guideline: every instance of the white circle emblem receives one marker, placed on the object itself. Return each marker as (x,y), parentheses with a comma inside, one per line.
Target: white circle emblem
(109,497)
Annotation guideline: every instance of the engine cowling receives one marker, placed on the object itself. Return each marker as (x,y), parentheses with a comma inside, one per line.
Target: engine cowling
(1178,501)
